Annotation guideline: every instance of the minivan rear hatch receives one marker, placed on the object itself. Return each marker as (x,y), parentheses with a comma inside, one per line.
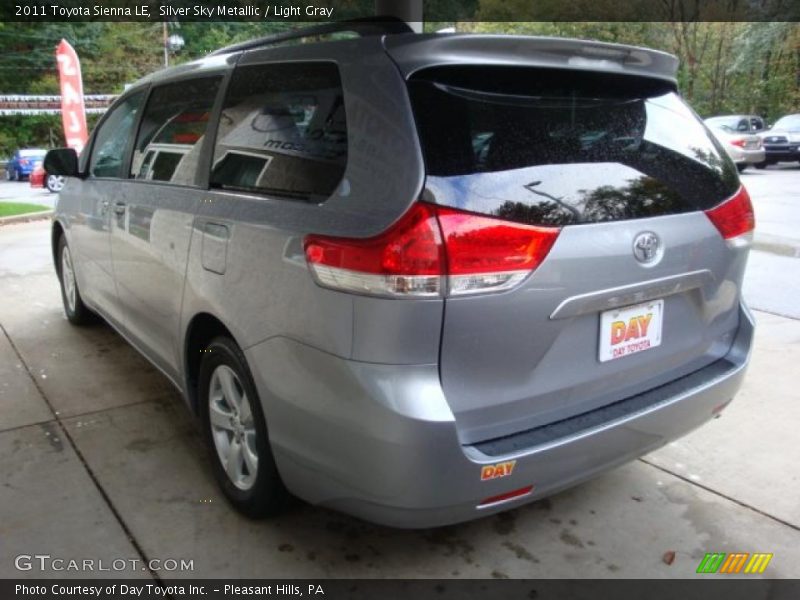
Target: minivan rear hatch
(639,288)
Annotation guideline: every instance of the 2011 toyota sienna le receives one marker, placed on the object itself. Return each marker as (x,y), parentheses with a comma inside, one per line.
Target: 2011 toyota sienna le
(415,278)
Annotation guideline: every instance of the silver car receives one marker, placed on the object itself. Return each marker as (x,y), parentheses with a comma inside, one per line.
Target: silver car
(745,149)
(415,278)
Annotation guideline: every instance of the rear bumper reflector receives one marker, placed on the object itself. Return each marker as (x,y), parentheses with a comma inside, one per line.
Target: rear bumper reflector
(494,500)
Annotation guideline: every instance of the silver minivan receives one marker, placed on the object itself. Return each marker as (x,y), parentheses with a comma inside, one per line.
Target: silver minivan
(415,278)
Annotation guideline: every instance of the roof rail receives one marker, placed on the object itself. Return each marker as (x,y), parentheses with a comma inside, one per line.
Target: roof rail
(363,27)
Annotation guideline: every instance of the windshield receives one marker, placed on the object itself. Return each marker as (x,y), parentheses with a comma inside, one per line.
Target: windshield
(790,123)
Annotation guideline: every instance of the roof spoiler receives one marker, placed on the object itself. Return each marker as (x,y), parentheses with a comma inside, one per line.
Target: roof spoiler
(413,53)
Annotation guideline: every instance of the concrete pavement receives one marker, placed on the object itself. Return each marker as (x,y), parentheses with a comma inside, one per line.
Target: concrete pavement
(99,458)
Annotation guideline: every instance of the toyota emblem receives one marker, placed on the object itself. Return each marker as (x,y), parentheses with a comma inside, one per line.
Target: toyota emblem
(647,248)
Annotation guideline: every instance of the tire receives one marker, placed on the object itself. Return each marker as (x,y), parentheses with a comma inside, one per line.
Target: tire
(226,388)
(761,165)
(53,183)
(76,311)
(8,174)
(741,167)
(14,175)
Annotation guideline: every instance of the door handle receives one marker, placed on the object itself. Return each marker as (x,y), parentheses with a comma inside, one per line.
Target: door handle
(119,208)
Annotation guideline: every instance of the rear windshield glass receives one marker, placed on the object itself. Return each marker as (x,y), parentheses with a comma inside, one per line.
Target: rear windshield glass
(729,123)
(556,147)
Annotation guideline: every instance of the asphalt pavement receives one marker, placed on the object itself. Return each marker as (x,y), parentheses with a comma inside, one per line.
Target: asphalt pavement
(99,458)
(772,282)
(21,191)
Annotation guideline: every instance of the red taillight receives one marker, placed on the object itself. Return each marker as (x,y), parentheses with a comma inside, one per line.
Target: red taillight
(734,218)
(431,251)
(739,142)
(23,162)
(406,259)
(484,252)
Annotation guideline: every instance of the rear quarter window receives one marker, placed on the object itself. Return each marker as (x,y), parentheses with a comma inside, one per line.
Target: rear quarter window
(551,147)
(282,131)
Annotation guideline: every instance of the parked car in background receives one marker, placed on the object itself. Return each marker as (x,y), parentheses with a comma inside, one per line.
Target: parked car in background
(782,141)
(739,123)
(416,278)
(40,178)
(744,148)
(22,163)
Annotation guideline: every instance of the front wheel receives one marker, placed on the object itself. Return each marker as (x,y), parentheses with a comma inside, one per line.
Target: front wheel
(76,311)
(236,432)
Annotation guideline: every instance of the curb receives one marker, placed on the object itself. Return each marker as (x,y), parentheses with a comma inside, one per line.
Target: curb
(775,244)
(26,218)
(779,249)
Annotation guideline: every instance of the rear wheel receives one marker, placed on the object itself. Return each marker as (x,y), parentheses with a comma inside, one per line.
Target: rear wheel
(54,183)
(236,432)
(76,311)
(761,165)
(741,166)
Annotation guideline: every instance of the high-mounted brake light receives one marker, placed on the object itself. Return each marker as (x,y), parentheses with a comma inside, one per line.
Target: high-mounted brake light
(432,251)
(734,218)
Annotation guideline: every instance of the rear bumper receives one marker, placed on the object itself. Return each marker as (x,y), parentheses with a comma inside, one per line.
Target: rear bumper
(744,156)
(379,442)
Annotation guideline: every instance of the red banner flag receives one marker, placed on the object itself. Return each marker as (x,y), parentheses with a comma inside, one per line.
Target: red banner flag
(73,114)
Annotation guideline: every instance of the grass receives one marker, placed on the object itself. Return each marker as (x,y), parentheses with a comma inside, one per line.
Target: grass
(11,209)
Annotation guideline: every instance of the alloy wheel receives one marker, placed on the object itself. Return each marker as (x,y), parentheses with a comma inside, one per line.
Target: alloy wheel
(233,427)
(68,279)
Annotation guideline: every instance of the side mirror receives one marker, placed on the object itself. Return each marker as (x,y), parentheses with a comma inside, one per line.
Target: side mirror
(62,161)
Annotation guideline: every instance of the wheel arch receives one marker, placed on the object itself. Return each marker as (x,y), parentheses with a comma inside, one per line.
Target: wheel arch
(201,329)
(56,232)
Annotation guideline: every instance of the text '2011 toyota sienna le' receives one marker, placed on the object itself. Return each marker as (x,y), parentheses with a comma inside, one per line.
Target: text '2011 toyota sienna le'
(415,278)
